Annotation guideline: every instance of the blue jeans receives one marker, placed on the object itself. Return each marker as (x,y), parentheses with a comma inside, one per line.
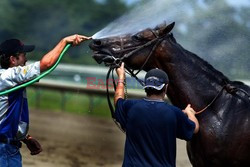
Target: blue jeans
(10,156)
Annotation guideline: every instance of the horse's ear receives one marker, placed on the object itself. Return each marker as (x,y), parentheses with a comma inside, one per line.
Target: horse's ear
(168,28)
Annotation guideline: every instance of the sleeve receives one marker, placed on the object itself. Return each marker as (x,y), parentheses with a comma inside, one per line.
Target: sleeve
(120,113)
(185,127)
(18,75)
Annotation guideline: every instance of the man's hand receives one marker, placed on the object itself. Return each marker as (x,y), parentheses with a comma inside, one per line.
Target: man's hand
(76,39)
(189,109)
(121,72)
(33,145)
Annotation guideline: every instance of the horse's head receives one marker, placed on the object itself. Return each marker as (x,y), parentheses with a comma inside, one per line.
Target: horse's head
(133,49)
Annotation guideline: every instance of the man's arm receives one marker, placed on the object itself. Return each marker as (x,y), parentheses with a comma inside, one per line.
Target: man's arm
(191,115)
(51,57)
(119,92)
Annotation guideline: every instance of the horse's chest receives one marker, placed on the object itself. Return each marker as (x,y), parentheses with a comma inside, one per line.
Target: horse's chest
(223,139)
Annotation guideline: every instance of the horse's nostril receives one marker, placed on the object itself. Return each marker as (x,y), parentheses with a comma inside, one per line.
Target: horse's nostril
(98,42)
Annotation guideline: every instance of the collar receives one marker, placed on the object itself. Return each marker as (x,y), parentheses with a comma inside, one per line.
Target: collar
(155,100)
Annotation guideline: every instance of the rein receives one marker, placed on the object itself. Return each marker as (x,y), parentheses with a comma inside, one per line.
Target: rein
(198,112)
(111,72)
(158,40)
(116,63)
(230,89)
(111,69)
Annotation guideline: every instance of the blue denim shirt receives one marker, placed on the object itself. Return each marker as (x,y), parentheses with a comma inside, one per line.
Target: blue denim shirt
(14,114)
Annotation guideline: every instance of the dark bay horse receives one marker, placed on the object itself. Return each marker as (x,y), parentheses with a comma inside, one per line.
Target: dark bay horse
(224,135)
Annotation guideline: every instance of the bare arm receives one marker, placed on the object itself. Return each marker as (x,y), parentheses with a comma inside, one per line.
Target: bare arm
(51,57)
(191,115)
(119,92)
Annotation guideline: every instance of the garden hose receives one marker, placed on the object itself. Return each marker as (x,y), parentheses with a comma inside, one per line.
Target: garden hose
(38,77)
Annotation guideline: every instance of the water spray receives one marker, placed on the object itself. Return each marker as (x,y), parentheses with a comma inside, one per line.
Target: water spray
(145,15)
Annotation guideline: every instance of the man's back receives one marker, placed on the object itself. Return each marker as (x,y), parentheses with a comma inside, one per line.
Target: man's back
(151,129)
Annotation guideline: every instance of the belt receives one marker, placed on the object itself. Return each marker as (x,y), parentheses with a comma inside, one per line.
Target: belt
(11,141)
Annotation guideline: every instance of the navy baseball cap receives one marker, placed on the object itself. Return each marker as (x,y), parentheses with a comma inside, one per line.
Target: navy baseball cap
(13,46)
(156,79)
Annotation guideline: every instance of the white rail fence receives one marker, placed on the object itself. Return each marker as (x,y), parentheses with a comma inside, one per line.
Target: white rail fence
(64,86)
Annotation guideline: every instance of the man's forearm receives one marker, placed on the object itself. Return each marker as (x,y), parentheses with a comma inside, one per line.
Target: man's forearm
(119,92)
(50,58)
(192,117)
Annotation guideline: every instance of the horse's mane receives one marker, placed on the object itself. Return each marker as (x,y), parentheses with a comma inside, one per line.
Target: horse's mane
(201,62)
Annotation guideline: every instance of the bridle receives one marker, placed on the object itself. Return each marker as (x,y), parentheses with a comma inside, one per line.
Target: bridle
(117,62)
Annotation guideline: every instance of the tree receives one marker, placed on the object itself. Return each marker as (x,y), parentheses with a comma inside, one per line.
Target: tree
(219,33)
(45,22)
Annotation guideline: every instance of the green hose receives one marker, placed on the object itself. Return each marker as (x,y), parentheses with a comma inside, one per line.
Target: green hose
(39,77)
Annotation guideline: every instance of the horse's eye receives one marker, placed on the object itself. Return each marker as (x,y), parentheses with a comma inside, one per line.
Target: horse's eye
(136,37)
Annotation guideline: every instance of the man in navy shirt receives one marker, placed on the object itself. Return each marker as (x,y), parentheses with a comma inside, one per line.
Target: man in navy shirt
(151,124)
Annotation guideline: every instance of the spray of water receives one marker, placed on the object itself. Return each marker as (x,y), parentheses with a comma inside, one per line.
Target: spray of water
(146,15)
(193,29)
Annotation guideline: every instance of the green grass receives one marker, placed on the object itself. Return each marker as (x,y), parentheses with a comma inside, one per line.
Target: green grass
(52,100)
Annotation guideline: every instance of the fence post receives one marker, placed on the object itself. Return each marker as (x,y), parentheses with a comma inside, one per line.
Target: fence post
(91,103)
(64,100)
(37,97)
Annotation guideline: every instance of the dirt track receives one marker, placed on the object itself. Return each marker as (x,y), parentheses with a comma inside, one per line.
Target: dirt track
(79,141)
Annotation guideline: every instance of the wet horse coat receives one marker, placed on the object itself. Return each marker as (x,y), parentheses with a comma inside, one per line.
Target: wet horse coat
(224,135)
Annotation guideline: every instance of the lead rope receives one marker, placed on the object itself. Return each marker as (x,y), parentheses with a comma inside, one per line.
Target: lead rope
(125,89)
(111,69)
(230,89)
(211,101)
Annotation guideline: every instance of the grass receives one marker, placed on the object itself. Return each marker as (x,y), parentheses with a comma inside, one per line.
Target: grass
(52,100)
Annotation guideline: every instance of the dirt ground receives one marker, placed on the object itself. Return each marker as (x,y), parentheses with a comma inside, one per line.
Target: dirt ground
(80,141)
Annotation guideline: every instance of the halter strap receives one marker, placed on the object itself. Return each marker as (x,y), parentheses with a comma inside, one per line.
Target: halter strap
(230,89)
(117,61)
(211,101)
(111,69)
(158,40)
(115,64)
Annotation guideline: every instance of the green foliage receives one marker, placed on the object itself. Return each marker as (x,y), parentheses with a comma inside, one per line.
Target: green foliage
(219,33)
(45,22)
(215,31)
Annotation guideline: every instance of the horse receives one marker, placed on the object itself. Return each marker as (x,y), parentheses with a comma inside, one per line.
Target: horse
(222,106)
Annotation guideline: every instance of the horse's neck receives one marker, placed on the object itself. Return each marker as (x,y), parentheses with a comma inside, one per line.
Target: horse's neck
(192,80)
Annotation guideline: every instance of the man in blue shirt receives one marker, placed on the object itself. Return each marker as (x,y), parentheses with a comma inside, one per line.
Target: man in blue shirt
(14,113)
(151,124)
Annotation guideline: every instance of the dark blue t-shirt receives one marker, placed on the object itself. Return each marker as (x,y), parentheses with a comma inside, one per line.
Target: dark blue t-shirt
(151,131)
